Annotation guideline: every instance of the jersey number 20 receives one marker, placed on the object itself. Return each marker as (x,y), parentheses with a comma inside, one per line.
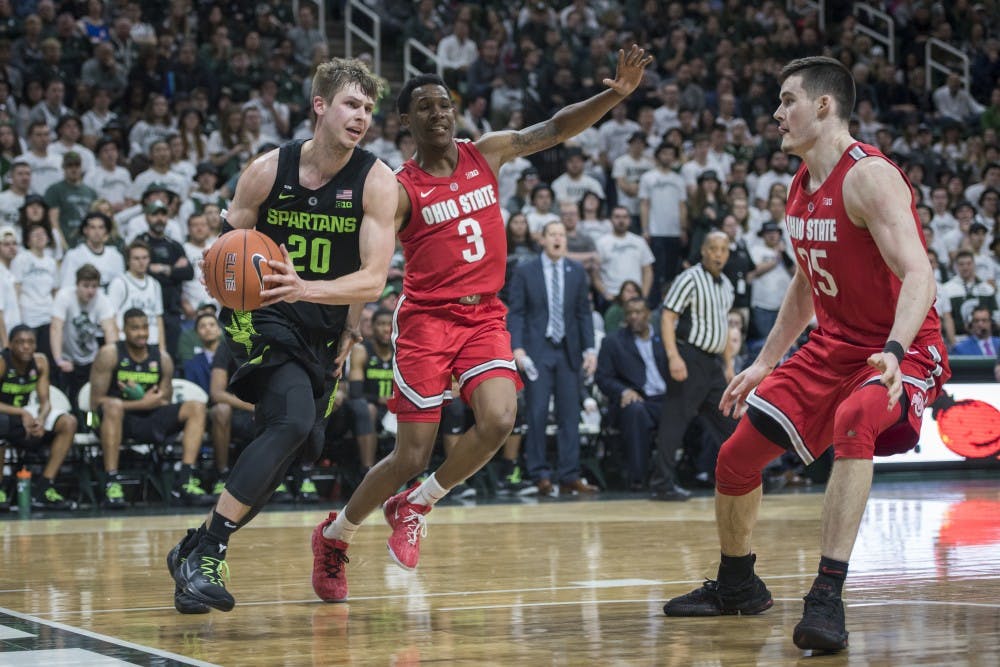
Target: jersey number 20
(470,230)
(319,253)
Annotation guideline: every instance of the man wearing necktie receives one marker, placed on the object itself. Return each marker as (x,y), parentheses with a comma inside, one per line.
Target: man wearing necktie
(981,342)
(552,333)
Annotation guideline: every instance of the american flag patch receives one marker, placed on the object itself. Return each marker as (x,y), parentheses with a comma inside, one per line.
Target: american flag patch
(345,194)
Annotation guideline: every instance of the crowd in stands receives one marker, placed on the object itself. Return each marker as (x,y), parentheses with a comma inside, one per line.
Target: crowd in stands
(124,126)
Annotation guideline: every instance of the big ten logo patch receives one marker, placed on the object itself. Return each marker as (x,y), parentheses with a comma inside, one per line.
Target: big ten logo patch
(229,272)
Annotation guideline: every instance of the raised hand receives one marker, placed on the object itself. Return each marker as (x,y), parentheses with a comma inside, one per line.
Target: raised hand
(630,68)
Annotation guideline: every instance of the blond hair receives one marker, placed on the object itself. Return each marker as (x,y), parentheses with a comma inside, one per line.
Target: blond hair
(336,74)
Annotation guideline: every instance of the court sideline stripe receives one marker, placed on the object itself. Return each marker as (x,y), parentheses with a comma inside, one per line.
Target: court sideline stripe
(872,603)
(111,640)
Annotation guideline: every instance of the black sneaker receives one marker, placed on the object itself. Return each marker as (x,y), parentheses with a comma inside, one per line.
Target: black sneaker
(822,627)
(114,495)
(192,493)
(183,602)
(462,491)
(711,600)
(51,499)
(514,484)
(203,577)
(308,493)
(282,494)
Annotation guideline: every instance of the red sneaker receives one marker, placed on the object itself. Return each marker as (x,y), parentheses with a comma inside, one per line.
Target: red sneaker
(329,576)
(408,526)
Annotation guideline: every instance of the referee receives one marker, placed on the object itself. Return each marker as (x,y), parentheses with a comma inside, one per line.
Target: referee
(695,334)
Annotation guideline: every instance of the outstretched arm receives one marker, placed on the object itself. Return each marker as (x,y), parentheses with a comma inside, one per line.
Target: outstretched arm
(501,147)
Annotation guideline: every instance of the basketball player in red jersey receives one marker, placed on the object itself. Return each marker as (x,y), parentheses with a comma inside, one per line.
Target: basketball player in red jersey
(862,380)
(449,321)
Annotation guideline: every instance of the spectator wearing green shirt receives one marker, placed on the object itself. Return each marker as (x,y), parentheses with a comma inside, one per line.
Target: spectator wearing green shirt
(69,199)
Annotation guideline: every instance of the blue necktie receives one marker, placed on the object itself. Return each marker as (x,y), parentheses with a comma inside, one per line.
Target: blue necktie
(556,325)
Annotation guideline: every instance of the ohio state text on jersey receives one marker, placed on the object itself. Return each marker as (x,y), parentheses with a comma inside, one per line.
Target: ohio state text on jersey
(454,243)
(854,291)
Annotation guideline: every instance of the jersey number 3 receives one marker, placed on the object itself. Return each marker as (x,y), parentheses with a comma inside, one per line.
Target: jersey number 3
(818,276)
(469,229)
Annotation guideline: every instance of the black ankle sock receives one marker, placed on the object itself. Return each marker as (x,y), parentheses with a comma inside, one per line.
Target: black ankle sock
(220,529)
(184,474)
(830,580)
(735,569)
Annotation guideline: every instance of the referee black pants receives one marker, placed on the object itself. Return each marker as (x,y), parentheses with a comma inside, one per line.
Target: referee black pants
(699,394)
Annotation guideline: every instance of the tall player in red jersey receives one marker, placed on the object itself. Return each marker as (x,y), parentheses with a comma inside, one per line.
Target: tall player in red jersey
(449,321)
(862,380)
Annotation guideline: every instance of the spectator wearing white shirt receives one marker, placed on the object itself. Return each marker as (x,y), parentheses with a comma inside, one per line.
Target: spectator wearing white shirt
(193,292)
(990,179)
(156,124)
(777,173)
(623,256)
(10,310)
(771,278)
(95,230)
(666,115)
(97,117)
(953,101)
(455,52)
(663,216)
(112,182)
(160,172)
(46,167)
(12,198)
(68,132)
(81,314)
(627,170)
(540,212)
(137,289)
(274,115)
(698,164)
(942,219)
(51,109)
(614,135)
(36,280)
(573,183)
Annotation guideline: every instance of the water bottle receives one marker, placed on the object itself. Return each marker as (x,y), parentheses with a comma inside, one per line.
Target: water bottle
(24,493)
(591,415)
(530,371)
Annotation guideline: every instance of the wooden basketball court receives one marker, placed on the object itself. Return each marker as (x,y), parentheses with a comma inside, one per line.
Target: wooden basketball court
(560,582)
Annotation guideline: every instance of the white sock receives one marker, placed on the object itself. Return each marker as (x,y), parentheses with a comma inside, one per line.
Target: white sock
(341,529)
(427,493)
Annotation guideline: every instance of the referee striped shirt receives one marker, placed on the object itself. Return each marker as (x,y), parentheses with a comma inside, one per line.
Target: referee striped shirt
(702,302)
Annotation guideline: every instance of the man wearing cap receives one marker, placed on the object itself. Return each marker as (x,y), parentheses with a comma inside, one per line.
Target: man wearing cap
(69,199)
(113,182)
(771,278)
(573,183)
(206,191)
(136,220)
(169,265)
(12,198)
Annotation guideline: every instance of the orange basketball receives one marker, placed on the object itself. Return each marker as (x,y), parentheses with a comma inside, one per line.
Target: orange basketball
(235,266)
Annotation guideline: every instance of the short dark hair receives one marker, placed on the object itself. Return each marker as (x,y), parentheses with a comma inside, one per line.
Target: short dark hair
(211,316)
(822,75)
(403,101)
(133,313)
(20,329)
(98,215)
(381,312)
(87,272)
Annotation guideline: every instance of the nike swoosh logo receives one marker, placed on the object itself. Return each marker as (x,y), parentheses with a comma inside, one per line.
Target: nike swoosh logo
(229,525)
(424,194)
(257,258)
(285,196)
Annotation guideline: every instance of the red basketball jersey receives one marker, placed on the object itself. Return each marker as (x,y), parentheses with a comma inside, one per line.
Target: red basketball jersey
(454,243)
(854,291)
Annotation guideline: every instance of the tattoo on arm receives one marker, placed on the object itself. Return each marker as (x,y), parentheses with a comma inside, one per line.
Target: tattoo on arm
(535,138)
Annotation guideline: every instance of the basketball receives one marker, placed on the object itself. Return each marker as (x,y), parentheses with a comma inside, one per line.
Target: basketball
(235,266)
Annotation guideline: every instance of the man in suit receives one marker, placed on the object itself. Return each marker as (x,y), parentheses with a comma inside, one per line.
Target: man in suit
(981,342)
(552,333)
(631,372)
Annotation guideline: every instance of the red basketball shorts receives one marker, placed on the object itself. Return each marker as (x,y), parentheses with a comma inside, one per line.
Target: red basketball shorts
(434,342)
(802,395)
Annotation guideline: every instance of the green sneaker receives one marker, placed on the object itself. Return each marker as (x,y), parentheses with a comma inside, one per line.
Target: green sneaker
(114,495)
(191,493)
(219,487)
(4,500)
(282,494)
(53,500)
(515,485)
(308,493)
